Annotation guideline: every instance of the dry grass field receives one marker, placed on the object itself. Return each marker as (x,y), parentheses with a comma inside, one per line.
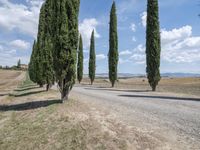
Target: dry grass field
(31,118)
(185,86)
(9,80)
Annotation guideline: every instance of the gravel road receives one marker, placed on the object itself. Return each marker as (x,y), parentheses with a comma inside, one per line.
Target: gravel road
(170,120)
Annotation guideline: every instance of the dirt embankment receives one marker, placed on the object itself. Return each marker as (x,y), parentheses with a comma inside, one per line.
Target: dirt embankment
(9,80)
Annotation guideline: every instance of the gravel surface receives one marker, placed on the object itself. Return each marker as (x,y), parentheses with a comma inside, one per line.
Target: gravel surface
(169,120)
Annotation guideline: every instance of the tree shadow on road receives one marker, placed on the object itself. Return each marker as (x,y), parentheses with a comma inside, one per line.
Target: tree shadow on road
(117,90)
(163,97)
(29,105)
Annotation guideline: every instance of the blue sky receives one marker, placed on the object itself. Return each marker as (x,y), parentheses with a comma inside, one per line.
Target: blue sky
(179,24)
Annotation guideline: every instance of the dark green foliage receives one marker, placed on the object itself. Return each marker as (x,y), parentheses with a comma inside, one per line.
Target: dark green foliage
(80,60)
(92,60)
(153,44)
(113,49)
(19,64)
(65,40)
(31,68)
(47,64)
(39,48)
(41,64)
(57,42)
(47,48)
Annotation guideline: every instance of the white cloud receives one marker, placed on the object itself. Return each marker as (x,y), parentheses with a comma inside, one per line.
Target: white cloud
(133,27)
(144,18)
(125,53)
(20,17)
(100,57)
(134,39)
(126,5)
(140,48)
(86,27)
(8,57)
(138,57)
(179,46)
(20,44)
(176,34)
(123,61)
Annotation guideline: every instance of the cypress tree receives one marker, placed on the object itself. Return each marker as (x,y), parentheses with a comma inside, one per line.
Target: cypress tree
(31,68)
(113,48)
(80,61)
(47,64)
(47,48)
(65,40)
(92,59)
(153,44)
(40,45)
(19,64)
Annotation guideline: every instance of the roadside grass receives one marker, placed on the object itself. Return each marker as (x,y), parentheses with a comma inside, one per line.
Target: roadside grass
(40,121)
(27,87)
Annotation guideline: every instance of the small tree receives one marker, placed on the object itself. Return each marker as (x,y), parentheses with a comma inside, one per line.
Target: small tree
(113,48)
(153,44)
(92,60)
(80,61)
(19,64)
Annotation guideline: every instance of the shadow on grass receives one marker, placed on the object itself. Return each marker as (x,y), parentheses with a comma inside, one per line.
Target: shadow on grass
(163,97)
(28,86)
(117,90)
(26,89)
(4,94)
(27,93)
(29,105)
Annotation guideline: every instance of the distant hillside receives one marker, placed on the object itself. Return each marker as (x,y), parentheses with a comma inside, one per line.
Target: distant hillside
(129,75)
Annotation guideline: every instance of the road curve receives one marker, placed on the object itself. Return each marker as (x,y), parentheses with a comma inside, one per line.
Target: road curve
(172,120)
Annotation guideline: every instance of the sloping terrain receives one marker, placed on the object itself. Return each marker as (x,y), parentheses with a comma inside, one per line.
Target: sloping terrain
(99,118)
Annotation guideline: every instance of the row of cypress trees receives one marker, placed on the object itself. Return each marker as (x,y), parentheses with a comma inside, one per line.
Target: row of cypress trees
(153,47)
(54,52)
(112,54)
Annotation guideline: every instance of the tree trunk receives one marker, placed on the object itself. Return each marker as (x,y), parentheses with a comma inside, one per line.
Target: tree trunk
(41,85)
(65,95)
(154,88)
(113,84)
(47,87)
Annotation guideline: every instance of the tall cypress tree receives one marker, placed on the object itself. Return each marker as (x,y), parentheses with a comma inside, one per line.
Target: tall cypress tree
(31,68)
(39,50)
(92,60)
(113,48)
(80,61)
(153,44)
(19,64)
(65,40)
(47,64)
(47,48)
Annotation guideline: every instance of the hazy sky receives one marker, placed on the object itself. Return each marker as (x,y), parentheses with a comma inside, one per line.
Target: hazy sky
(179,23)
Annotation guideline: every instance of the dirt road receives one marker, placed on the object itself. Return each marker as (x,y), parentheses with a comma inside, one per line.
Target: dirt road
(162,120)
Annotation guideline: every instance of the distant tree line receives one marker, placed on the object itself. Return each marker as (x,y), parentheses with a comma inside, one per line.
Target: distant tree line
(18,66)
(57,55)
